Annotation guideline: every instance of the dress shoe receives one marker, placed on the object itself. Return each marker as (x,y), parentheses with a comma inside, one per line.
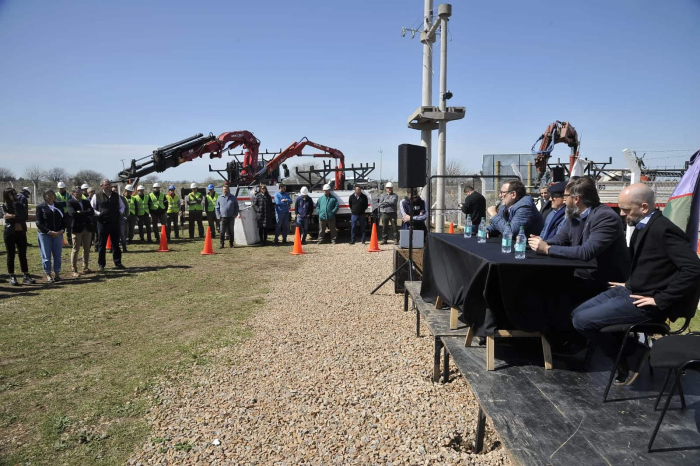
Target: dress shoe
(120,266)
(101,268)
(27,280)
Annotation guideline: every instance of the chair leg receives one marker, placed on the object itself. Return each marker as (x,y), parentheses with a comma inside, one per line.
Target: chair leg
(661,393)
(663,413)
(614,368)
(405,301)
(436,359)
(589,356)
(680,389)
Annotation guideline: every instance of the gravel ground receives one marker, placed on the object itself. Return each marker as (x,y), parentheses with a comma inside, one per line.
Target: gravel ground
(332,375)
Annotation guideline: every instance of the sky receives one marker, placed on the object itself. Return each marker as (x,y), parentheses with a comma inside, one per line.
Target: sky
(85,84)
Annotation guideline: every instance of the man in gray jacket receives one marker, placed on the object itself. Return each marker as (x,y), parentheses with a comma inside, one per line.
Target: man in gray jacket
(388,205)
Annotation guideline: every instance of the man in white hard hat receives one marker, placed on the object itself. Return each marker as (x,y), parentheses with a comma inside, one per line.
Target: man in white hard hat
(195,209)
(388,208)
(304,207)
(157,210)
(143,212)
(84,190)
(62,197)
(210,209)
(327,206)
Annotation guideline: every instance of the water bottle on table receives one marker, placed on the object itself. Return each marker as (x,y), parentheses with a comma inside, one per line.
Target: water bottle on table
(507,240)
(520,244)
(481,235)
(468,227)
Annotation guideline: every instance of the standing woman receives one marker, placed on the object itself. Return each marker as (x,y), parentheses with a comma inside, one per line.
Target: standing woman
(264,213)
(50,222)
(15,213)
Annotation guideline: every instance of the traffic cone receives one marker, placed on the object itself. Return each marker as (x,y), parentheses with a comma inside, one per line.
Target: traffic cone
(699,246)
(373,241)
(452,228)
(64,241)
(163,240)
(208,250)
(298,250)
(109,243)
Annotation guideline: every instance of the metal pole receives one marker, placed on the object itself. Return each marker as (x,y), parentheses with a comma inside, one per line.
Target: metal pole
(444,11)
(381,152)
(497,182)
(426,135)
(635,176)
(529,176)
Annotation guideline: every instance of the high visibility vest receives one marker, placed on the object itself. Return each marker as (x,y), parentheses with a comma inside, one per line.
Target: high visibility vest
(173,203)
(195,197)
(142,205)
(158,201)
(211,202)
(132,205)
(63,199)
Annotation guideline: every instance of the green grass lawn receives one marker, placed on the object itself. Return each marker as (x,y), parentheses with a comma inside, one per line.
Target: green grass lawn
(78,358)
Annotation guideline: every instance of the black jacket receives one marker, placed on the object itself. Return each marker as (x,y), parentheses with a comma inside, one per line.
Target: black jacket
(49,220)
(546,210)
(264,211)
(358,206)
(19,210)
(664,266)
(474,206)
(80,215)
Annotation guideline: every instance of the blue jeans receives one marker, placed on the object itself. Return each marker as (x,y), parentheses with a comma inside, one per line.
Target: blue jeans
(353,221)
(282,225)
(50,247)
(303,225)
(122,231)
(614,306)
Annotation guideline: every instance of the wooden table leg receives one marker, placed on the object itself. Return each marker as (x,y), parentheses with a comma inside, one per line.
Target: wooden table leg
(454,318)
(438,303)
(490,350)
(547,354)
(436,359)
(445,364)
(470,336)
(480,431)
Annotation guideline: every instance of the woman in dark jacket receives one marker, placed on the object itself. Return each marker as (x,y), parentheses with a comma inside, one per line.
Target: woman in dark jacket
(51,224)
(264,213)
(15,213)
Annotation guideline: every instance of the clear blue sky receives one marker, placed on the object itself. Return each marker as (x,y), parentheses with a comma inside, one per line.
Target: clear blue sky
(87,83)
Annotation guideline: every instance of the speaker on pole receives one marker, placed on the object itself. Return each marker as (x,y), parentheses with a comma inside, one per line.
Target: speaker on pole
(413,172)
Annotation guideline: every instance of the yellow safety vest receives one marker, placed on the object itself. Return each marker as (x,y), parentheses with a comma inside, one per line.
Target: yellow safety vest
(142,205)
(159,200)
(63,199)
(211,205)
(198,198)
(173,203)
(132,205)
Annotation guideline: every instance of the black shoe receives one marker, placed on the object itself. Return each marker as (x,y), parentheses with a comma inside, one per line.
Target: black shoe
(13,281)
(276,242)
(384,242)
(56,277)
(125,250)
(637,361)
(352,242)
(27,280)
(623,371)
(120,266)
(221,246)
(101,268)
(231,245)
(363,241)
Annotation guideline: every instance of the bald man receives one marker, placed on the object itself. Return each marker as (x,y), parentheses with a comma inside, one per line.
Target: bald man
(663,280)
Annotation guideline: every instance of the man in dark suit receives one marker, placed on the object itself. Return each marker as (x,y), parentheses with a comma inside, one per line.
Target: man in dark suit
(474,207)
(663,281)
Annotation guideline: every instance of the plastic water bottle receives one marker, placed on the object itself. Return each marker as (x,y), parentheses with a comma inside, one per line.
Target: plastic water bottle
(482,231)
(468,227)
(507,241)
(520,244)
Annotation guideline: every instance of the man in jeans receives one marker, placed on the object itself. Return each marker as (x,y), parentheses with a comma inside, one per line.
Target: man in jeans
(283,202)
(80,214)
(388,207)
(304,207)
(226,212)
(358,208)
(326,207)
(108,208)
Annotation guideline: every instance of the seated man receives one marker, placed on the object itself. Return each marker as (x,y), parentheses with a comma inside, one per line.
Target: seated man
(662,284)
(555,218)
(517,208)
(420,211)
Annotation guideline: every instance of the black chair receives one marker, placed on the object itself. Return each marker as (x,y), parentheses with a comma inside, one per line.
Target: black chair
(677,353)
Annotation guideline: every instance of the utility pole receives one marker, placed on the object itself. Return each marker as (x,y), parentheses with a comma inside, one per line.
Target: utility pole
(426,134)
(381,152)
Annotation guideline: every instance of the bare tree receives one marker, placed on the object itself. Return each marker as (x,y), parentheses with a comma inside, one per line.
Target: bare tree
(87,176)
(33,173)
(152,179)
(6,174)
(56,174)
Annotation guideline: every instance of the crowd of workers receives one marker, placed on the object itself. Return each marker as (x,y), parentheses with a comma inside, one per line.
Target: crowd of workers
(653,279)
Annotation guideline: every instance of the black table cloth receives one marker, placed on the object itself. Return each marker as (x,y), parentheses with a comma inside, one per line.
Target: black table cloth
(497,291)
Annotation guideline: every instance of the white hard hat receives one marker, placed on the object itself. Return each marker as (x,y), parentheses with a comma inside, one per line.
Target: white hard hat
(61,184)
(156,185)
(140,187)
(85,186)
(389,185)
(326,187)
(193,185)
(130,187)
(304,190)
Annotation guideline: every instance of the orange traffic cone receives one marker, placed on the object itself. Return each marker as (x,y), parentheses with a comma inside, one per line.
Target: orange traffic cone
(452,228)
(163,240)
(699,246)
(207,251)
(373,241)
(109,243)
(298,250)
(64,240)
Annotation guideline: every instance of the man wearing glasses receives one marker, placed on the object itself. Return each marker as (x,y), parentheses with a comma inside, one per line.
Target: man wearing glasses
(517,208)
(554,221)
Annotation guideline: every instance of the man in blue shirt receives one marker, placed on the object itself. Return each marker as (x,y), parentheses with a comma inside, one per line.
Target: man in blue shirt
(517,208)
(226,212)
(283,203)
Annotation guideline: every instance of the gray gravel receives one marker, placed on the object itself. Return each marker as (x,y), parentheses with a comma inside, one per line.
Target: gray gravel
(332,375)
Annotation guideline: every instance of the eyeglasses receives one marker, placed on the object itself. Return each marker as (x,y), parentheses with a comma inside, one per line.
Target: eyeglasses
(565,195)
(506,192)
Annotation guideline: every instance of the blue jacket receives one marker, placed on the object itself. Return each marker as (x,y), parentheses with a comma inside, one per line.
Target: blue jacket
(522,213)
(599,238)
(553,223)
(283,202)
(304,206)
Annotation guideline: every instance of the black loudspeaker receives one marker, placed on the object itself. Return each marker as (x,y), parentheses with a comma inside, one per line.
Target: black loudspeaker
(557,174)
(413,172)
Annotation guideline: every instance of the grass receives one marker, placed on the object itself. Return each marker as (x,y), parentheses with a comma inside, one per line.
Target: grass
(78,359)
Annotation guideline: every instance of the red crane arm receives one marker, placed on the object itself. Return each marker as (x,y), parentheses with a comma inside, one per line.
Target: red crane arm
(296,148)
(559,131)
